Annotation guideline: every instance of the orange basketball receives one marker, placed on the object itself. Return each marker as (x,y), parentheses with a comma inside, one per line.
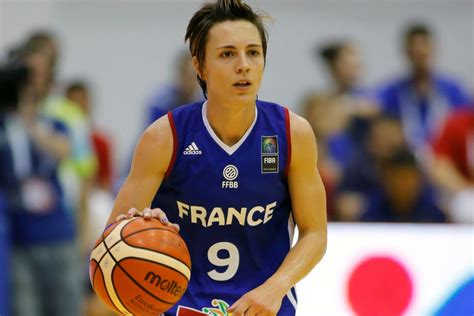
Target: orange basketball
(140,267)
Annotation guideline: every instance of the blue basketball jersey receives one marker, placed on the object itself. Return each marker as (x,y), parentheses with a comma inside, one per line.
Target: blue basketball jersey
(232,204)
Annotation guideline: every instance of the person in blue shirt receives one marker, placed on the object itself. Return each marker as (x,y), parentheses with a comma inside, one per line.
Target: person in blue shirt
(235,173)
(362,176)
(348,105)
(404,196)
(45,264)
(423,97)
(184,90)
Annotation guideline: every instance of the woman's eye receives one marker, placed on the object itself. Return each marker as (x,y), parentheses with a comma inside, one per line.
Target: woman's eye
(254,52)
(227,54)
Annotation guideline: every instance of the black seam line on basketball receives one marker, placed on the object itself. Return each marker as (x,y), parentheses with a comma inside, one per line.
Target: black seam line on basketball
(112,279)
(134,219)
(141,230)
(117,263)
(100,259)
(159,263)
(108,295)
(145,229)
(134,246)
(105,244)
(157,251)
(113,285)
(151,228)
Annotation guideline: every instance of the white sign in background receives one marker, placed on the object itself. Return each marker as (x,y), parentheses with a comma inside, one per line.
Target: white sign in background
(439,258)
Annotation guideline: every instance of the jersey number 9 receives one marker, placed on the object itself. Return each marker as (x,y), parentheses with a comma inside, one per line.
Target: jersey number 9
(231,261)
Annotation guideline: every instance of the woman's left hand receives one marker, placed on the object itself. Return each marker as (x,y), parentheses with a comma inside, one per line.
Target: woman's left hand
(264,300)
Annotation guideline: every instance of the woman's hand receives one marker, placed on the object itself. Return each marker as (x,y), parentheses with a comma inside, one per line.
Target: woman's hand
(264,300)
(148,213)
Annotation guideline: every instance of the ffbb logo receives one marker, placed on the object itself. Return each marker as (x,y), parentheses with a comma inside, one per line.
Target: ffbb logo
(166,285)
(230,173)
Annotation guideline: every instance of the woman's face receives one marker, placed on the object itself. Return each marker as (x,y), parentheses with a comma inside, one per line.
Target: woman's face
(40,74)
(420,52)
(234,62)
(348,67)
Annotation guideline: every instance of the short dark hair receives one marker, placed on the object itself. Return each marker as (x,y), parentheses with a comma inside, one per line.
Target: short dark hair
(39,39)
(76,85)
(211,14)
(330,52)
(417,29)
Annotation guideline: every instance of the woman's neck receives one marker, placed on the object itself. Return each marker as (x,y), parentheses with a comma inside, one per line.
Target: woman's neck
(230,121)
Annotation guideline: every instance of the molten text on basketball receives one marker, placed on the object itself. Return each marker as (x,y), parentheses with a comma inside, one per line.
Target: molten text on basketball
(171,287)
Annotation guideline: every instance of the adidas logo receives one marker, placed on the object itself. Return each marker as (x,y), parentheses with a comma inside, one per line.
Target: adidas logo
(192,149)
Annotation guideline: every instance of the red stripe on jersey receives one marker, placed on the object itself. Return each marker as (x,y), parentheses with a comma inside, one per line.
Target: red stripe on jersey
(288,140)
(175,144)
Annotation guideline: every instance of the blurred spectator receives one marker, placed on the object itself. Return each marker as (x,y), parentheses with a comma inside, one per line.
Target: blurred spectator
(46,42)
(96,187)
(183,91)
(453,163)
(343,109)
(79,93)
(99,197)
(77,170)
(345,69)
(423,97)
(339,114)
(454,150)
(45,277)
(81,165)
(344,65)
(404,195)
(362,176)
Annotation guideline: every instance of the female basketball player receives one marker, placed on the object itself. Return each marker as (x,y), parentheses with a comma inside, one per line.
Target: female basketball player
(235,173)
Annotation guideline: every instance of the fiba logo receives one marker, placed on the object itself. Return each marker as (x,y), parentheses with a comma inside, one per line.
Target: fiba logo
(230,173)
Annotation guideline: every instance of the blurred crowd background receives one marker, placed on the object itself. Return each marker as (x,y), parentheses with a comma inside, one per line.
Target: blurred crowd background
(388,88)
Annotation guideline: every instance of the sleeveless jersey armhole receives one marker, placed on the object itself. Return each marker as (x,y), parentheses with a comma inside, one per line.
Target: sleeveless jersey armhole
(175,145)
(288,140)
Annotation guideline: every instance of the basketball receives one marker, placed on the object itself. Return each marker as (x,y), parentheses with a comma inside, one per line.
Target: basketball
(140,267)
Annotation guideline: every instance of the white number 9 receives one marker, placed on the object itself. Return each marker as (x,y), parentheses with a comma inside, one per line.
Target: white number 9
(231,261)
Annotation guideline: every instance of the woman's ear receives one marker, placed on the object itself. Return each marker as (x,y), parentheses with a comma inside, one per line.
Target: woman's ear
(197,68)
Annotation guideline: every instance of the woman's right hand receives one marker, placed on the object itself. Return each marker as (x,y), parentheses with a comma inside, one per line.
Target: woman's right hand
(148,213)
